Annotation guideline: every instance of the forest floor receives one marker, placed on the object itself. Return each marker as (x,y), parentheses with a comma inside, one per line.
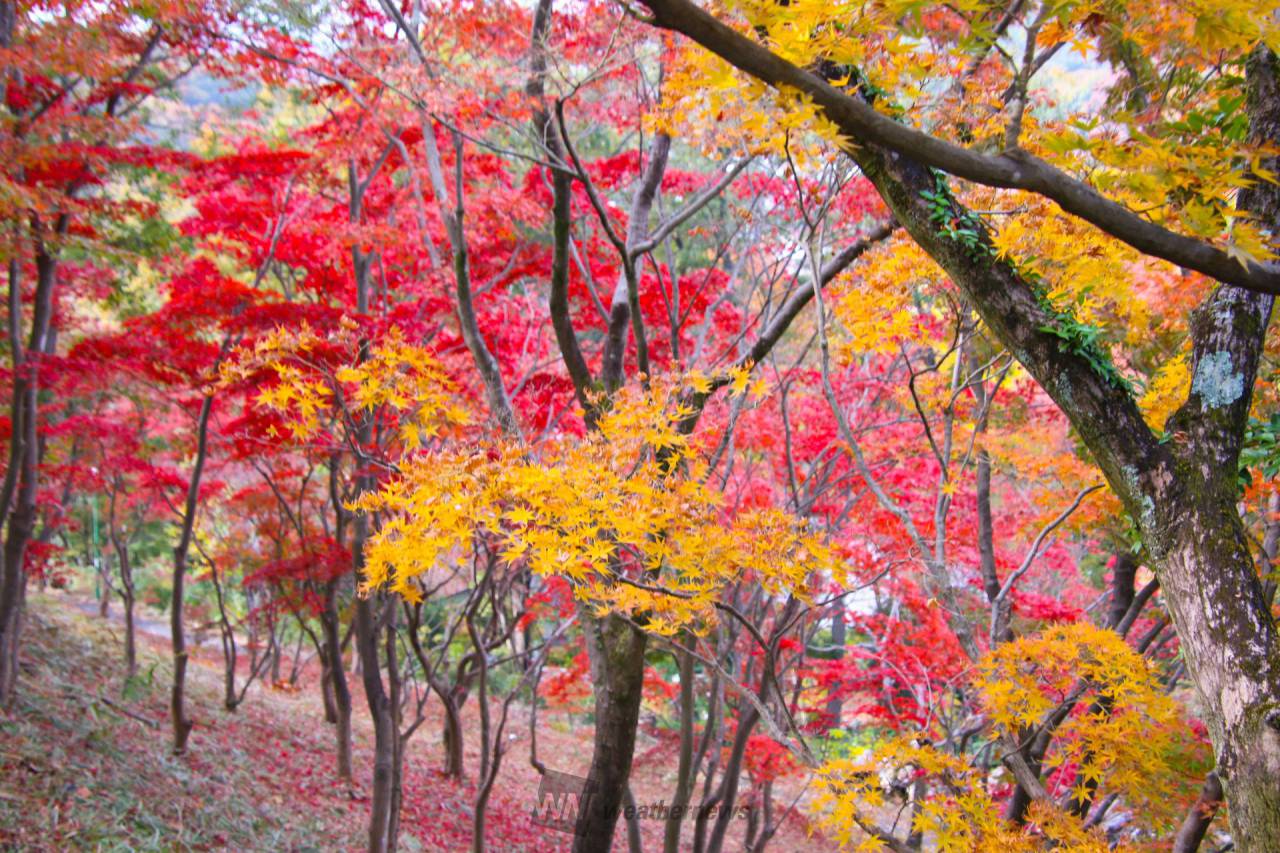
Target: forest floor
(85,760)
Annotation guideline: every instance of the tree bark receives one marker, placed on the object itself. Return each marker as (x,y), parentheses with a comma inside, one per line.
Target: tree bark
(1196,824)
(21,476)
(128,598)
(367,616)
(685,769)
(177,696)
(616,650)
(339,689)
(371,608)
(451,737)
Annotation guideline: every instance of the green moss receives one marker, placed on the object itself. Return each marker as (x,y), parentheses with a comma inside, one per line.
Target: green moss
(966,229)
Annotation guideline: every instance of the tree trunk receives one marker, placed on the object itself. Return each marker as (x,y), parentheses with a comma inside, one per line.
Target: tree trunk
(178,693)
(451,737)
(616,650)
(339,689)
(274,651)
(1123,579)
(366,638)
(685,768)
(1207,574)
(20,477)
(177,697)
(726,797)
(839,637)
(127,596)
(1229,642)
(326,690)
(104,575)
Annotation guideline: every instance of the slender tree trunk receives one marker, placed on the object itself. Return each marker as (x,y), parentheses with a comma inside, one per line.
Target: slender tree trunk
(371,609)
(635,841)
(490,749)
(1196,824)
(395,699)
(20,483)
(104,576)
(366,638)
(230,650)
(684,770)
(178,694)
(339,689)
(326,689)
(727,796)
(616,650)
(839,636)
(275,650)
(128,598)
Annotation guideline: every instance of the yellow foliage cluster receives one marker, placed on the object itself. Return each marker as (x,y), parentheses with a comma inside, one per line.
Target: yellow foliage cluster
(621,512)
(706,102)
(338,375)
(956,815)
(875,309)
(1167,390)
(1122,737)
(1163,137)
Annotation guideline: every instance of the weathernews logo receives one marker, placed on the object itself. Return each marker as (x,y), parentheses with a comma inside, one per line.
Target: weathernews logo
(563,798)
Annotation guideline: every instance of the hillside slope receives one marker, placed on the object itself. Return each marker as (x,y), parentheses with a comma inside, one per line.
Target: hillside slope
(84,760)
(85,763)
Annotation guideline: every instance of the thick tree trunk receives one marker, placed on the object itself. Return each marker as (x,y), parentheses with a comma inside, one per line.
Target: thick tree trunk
(1229,642)
(1207,573)
(616,650)
(1182,494)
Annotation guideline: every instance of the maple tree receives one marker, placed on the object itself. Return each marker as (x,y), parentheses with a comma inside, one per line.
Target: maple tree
(69,119)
